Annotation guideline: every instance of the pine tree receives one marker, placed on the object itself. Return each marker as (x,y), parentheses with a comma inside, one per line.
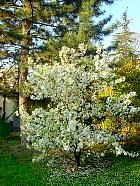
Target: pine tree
(128,63)
(26,27)
(32,22)
(56,23)
(86,28)
(123,41)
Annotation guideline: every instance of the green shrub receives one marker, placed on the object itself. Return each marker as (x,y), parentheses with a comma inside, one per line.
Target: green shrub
(5,129)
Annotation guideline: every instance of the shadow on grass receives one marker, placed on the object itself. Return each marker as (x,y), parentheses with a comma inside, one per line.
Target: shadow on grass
(17,169)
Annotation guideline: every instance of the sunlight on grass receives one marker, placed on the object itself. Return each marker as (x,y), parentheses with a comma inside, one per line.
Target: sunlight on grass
(17,169)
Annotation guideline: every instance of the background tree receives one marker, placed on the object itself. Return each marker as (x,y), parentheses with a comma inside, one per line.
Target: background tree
(29,28)
(87,28)
(128,66)
(128,60)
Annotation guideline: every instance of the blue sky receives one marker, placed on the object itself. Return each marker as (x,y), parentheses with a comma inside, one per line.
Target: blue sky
(133,11)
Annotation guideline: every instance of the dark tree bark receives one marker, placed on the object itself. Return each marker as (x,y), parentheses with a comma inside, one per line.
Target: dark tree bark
(23,65)
(77,156)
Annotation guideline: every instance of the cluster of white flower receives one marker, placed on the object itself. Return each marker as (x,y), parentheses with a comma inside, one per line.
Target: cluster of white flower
(121,106)
(73,85)
(119,151)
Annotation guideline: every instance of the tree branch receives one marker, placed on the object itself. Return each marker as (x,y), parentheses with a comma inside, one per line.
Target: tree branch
(44,24)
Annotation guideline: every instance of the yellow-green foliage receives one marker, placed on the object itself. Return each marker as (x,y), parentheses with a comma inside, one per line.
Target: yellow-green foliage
(107,124)
(100,148)
(130,132)
(133,132)
(97,148)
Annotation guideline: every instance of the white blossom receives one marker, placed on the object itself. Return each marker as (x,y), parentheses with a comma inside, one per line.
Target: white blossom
(74,87)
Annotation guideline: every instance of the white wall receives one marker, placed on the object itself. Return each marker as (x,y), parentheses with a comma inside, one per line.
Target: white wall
(9,107)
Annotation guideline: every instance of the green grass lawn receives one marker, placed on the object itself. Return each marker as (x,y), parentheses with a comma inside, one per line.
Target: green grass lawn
(17,169)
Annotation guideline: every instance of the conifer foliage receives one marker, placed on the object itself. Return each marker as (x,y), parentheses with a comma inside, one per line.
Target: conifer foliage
(38,27)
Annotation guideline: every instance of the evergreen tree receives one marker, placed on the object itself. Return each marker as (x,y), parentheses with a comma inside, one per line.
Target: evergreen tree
(27,25)
(123,41)
(128,63)
(56,23)
(32,22)
(87,29)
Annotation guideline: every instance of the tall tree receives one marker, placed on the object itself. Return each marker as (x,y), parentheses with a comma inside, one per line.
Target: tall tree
(23,65)
(123,40)
(32,22)
(128,60)
(88,27)
(67,22)
(40,27)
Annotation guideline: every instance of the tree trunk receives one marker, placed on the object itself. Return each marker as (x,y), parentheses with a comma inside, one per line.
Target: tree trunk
(23,66)
(77,158)
(4,106)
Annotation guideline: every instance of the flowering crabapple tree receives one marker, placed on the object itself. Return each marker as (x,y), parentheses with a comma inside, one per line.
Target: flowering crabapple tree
(75,85)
